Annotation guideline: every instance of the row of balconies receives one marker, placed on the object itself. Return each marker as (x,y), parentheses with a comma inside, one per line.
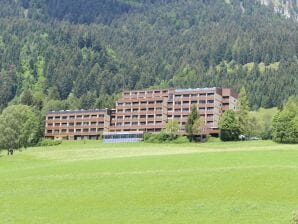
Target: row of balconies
(75,124)
(71,117)
(74,131)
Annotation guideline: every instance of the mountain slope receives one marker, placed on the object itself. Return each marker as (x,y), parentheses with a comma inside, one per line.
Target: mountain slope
(67,50)
(288,8)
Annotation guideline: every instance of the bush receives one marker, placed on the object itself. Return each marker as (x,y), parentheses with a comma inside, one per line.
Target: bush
(164,138)
(213,139)
(181,140)
(49,142)
(294,219)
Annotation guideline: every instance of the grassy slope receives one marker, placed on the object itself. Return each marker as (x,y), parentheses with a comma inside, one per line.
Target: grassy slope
(252,182)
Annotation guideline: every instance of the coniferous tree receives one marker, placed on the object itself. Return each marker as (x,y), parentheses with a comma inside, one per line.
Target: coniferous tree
(192,118)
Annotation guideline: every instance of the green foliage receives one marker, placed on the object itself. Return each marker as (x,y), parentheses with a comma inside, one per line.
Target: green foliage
(164,137)
(191,120)
(261,122)
(294,219)
(105,47)
(243,113)
(19,127)
(49,142)
(171,128)
(229,126)
(285,123)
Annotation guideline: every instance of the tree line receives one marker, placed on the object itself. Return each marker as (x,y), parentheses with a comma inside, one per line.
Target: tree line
(278,125)
(46,47)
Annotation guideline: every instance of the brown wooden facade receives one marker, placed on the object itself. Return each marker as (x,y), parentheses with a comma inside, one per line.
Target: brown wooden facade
(145,111)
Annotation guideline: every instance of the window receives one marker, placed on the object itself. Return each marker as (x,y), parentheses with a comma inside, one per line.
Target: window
(202,101)
(94,116)
(210,101)
(71,117)
(57,117)
(210,94)
(93,129)
(79,123)
(79,116)
(50,118)
(64,117)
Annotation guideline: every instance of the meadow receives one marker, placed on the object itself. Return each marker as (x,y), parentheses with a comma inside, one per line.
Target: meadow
(91,182)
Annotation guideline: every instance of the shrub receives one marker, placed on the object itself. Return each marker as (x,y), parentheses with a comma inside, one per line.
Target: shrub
(164,138)
(294,219)
(49,142)
(181,140)
(213,139)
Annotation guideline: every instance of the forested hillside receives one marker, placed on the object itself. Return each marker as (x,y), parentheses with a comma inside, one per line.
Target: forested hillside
(79,54)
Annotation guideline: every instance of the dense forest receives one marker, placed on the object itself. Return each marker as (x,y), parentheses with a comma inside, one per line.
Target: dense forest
(81,54)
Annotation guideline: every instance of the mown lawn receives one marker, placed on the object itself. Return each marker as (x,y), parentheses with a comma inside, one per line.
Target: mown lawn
(91,182)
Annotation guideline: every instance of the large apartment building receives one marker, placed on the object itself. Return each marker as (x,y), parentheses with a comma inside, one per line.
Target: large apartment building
(77,125)
(144,111)
(149,110)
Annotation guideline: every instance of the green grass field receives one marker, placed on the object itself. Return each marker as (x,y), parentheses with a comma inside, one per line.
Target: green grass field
(91,182)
